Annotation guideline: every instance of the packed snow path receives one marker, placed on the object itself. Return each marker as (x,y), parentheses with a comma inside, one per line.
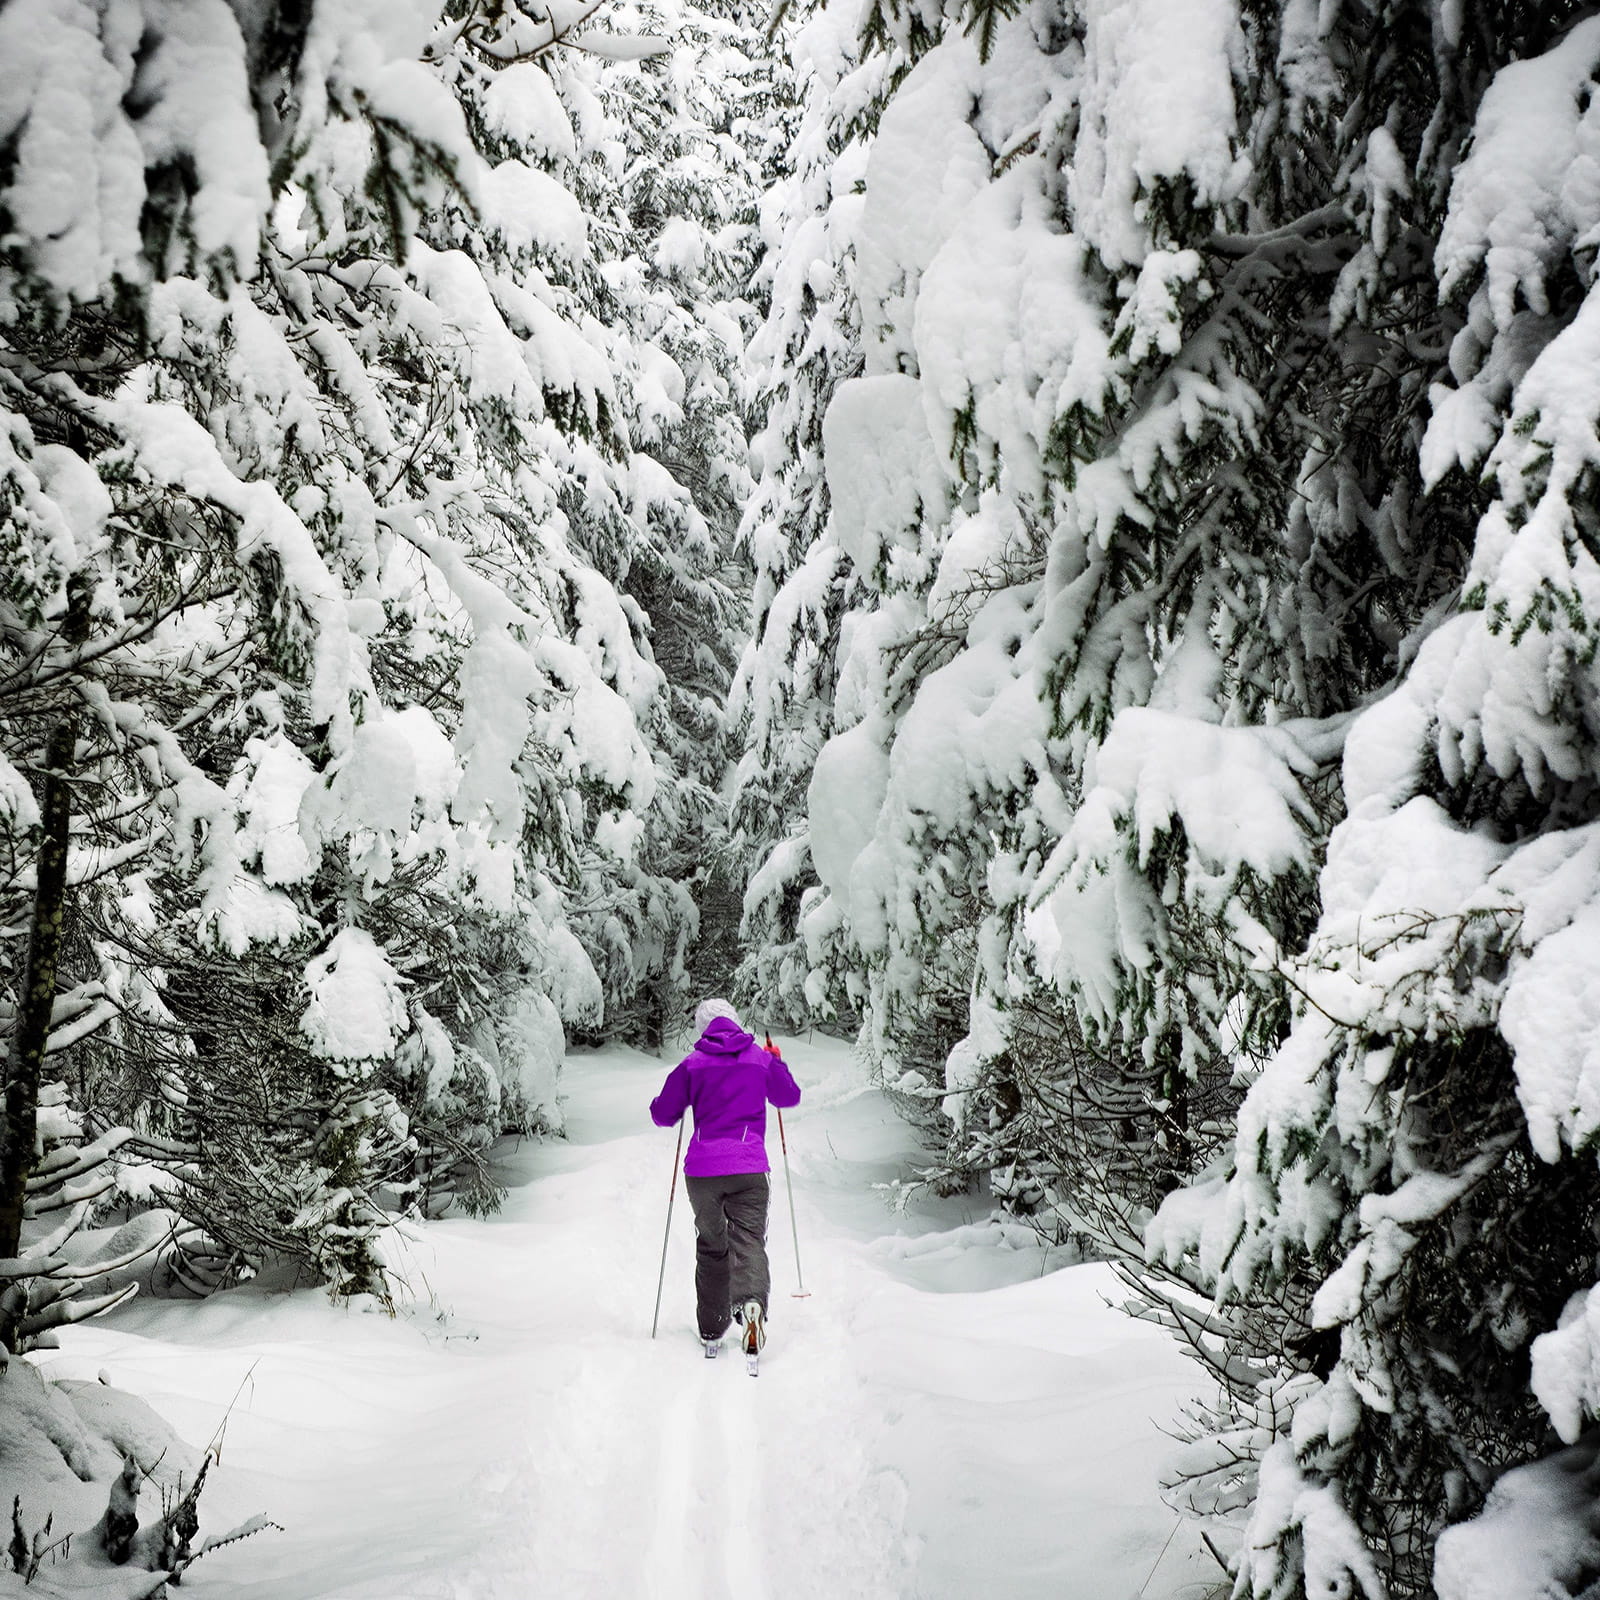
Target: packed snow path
(516,1435)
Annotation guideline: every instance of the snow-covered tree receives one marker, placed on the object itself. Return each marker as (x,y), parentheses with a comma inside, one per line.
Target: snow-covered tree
(1203,401)
(670,192)
(321,499)
(783,696)
(1416,1158)
(134,158)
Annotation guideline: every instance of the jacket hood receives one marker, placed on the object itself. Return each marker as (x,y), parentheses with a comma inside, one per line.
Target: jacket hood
(723,1037)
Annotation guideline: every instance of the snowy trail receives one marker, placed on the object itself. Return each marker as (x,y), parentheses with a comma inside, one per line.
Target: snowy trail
(516,1434)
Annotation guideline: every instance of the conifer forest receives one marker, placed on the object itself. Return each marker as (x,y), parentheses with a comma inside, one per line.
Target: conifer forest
(1047,550)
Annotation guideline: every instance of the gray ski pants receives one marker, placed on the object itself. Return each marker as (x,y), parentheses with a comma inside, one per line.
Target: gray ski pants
(730,1262)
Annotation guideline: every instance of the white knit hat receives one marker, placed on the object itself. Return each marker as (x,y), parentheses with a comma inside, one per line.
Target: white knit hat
(708,1010)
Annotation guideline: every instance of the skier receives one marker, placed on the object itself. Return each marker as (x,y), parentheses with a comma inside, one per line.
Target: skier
(729,1080)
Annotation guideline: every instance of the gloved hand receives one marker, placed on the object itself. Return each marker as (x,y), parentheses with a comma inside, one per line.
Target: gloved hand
(772,1049)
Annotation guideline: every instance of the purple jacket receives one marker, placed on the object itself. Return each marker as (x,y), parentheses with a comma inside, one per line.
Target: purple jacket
(728,1079)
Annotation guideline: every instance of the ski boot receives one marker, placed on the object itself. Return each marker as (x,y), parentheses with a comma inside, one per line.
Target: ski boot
(755,1335)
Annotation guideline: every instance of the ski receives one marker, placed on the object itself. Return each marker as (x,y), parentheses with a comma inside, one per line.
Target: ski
(752,1363)
(713,1349)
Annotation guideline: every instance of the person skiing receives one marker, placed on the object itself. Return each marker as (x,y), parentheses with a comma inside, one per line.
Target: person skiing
(729,1080)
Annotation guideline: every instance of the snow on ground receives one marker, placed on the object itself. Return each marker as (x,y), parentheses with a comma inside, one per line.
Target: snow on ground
(943,1419)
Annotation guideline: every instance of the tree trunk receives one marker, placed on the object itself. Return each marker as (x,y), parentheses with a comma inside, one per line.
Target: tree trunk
(655,1012)
(19,1134)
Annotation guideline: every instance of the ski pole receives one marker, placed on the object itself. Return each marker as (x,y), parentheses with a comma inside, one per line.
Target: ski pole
(672,1194)
(802,1293)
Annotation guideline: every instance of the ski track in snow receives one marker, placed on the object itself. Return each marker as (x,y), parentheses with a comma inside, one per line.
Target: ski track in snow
(516,1435)
(743,1481)
(666,1573)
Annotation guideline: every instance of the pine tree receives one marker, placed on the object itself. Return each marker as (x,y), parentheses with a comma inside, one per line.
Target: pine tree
(329,437)
(1405,1166)
(1183,352)
(783,696)
(125,541)
(675,217)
